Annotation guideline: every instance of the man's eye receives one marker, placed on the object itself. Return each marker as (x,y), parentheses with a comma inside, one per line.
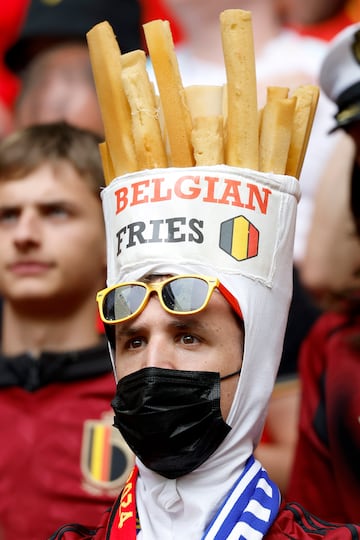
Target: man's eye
(189,339)
(7,215)
(135,343)
(56,211)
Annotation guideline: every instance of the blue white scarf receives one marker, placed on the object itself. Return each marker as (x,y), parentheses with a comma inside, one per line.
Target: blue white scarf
(250,508)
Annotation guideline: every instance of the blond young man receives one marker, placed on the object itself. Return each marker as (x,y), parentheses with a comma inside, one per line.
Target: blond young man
(55,374)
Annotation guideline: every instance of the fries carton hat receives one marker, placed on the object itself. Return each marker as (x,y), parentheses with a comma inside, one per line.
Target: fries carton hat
(340,75)
(234,224)
(229,222)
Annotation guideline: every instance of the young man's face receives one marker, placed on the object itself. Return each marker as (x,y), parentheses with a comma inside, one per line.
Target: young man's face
(211,340)
(59,86)
(52,239)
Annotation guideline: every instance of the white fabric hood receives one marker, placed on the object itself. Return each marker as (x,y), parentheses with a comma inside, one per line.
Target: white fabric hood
(238,225)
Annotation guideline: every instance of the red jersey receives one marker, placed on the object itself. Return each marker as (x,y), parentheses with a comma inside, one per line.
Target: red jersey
(326,471)
(55,430)
(291,523)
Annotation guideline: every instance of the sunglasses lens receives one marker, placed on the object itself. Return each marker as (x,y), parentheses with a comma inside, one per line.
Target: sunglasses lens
(185,294)
(123,302)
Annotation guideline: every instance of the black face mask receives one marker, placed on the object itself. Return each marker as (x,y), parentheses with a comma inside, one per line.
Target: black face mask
(170,419)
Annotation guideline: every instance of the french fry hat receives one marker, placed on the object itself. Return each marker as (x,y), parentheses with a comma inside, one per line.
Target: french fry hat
(234,224)
(225,219)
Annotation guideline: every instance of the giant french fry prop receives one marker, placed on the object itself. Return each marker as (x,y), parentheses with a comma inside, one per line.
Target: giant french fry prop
(199,125)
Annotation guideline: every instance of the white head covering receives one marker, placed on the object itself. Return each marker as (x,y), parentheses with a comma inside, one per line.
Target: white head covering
(340,74)
(237,225)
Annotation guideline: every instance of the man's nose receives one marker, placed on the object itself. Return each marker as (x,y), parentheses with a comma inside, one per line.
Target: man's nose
(27,230)
(159,353)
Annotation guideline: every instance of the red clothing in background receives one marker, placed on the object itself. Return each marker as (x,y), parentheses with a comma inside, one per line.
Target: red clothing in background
(60,458)
(326,472)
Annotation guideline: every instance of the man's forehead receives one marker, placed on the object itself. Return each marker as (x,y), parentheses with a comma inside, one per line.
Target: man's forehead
(45,184)
(150,278)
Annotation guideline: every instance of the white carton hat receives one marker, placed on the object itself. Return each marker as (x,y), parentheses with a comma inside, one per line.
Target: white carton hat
(340,75)
(234,224)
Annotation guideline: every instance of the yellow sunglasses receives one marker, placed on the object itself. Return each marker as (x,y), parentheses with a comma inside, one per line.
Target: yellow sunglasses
(180,295)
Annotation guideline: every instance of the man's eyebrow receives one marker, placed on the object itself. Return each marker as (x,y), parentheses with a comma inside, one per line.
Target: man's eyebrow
(181,322)
(188,322)
(10,206)
(126,330)
(61,201)
(43,203)
(65,204)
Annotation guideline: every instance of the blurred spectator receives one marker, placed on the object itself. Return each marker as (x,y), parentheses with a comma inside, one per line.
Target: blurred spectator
(51,57)
(321,18)
(326,472)
(60,457)
(51,23)
(333,250)
(332,257)
(58,84)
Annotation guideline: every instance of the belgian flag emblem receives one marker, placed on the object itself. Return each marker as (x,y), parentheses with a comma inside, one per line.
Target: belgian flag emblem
(239,238)
(106,458)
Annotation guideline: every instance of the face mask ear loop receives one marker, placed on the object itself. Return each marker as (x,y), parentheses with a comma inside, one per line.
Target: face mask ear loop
(230,375)
(111,353)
